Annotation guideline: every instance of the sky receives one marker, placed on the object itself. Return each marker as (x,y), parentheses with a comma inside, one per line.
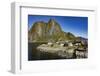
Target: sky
(74,24)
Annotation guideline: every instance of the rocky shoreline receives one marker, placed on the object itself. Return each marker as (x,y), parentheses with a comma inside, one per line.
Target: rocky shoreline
(67,52)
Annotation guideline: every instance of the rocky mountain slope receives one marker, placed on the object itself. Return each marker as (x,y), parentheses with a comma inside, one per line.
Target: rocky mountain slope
(50,31)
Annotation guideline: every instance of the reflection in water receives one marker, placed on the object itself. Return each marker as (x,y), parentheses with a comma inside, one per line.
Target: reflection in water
(34,54)
(43,53)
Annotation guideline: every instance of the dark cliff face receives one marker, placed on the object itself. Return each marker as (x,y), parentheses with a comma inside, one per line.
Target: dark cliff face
(51,31)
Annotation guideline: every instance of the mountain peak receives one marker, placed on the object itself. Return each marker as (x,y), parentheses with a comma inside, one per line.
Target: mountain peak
(51,20)
(42,31)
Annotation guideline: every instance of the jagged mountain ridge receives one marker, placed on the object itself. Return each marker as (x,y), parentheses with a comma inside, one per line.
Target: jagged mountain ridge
(50,31)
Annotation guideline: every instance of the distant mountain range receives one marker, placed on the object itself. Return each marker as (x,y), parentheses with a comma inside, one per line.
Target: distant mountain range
(50,31)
